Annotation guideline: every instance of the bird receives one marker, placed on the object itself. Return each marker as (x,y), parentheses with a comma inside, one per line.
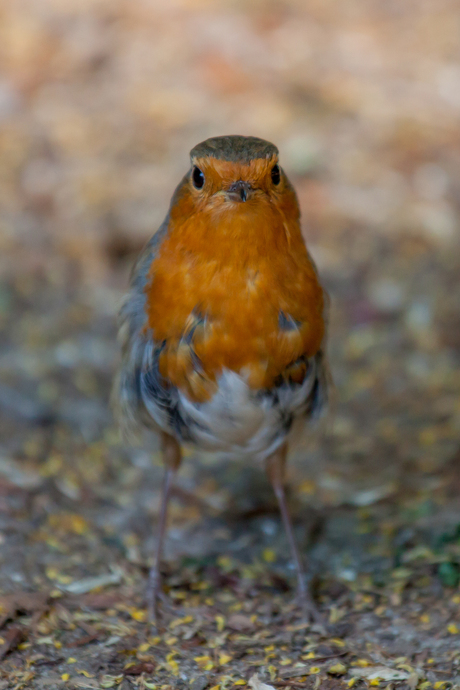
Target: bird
(223,330)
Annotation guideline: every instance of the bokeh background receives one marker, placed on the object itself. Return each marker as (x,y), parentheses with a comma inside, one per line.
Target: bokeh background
(100,102)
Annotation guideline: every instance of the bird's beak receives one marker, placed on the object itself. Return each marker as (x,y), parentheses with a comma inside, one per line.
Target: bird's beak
(239,191)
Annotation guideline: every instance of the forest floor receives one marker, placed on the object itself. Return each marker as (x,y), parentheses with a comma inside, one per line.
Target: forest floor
(100,103)
(374,499)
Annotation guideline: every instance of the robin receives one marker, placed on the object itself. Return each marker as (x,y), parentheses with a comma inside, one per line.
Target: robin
(223,330)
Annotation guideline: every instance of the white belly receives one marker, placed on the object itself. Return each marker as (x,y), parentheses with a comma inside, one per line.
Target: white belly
(241,422)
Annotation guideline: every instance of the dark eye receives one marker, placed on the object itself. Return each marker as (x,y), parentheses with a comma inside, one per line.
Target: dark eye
(198,177)
(276,174)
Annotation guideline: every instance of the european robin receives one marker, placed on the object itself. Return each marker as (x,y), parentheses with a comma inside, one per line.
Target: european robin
(223,330)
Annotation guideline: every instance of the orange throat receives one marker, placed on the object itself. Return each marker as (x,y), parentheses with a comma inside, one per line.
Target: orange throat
(217,287)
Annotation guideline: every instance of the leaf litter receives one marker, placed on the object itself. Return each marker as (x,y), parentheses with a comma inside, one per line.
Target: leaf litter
(375,501)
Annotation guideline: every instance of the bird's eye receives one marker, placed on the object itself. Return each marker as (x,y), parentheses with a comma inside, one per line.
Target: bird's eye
(197,177)
(276,174)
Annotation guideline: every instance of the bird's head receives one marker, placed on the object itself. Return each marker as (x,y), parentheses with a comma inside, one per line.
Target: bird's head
(236,182)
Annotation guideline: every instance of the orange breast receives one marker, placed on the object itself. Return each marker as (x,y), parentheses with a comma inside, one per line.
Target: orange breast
(216,290)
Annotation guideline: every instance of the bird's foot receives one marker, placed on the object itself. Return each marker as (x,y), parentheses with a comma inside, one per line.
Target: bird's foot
(309,609)
(154,595)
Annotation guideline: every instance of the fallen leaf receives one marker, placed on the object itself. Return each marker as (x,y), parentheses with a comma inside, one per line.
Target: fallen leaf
(338,669)
(12,638)
(200,683)
(98,601)
(17,475)
(414,679)
(82,641)
(256,683)
(240,623)
(296,672)
(90,583)
(137,669)
(22,602)
(379,673)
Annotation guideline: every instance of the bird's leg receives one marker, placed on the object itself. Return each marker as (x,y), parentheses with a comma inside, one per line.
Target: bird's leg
(275,466)
(171,458)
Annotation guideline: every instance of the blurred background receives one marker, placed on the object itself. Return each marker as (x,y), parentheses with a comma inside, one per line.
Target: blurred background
(100,103)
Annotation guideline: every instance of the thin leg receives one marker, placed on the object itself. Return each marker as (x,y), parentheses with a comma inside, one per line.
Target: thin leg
(275,467)
(172,458)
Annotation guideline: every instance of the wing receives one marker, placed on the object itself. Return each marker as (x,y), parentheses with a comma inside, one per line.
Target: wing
(138,373)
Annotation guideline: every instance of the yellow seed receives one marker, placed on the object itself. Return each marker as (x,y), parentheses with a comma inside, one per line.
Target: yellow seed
(78,524)
(427,436)
(337,669)
(174,667)
(175,623)
(65,676)
(272,671)
(71,660)
(224,561)
(198,586)
(307,487)
(425,618)
(362,662)
(203,661)
(452,628)
(236,607)
(310,655)
(374,681)
(269,555)
(315,669)
(58,644)
(406,667)
(180,621)
(139,615)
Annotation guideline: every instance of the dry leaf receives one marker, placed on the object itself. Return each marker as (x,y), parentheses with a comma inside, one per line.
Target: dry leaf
(379,673)
(256,683)
(22,602)
(294,672)
(12,638)
(240,623)
(137,669)
(88,584)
